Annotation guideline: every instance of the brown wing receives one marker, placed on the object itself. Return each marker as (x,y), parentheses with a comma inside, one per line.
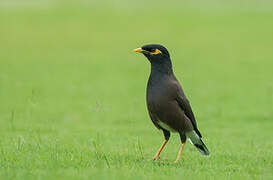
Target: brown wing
(185,106)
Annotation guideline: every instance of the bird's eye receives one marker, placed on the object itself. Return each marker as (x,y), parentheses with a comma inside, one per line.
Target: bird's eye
(155,51)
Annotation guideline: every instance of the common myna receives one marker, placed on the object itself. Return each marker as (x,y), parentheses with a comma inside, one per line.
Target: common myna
(168,107)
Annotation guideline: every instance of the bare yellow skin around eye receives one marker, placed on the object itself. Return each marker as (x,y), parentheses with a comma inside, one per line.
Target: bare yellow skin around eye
(157,51)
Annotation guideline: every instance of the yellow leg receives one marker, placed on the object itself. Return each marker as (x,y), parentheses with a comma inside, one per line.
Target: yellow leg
(160,149)
(180,152)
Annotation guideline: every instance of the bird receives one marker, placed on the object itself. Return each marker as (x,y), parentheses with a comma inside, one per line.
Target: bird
(168,107)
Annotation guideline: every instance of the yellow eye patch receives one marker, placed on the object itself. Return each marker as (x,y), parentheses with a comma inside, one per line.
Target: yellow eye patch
(157,51)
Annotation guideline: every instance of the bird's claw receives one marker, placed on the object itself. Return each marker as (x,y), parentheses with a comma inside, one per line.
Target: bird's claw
(156,157)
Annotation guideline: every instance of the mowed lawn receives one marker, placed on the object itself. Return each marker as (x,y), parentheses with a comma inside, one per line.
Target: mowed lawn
(72,92)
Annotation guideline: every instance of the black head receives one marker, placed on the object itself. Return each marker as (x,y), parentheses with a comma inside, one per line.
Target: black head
(158,55)
(154,52)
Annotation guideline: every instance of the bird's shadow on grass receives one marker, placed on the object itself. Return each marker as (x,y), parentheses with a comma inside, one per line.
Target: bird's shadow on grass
(125,158)
(165,162)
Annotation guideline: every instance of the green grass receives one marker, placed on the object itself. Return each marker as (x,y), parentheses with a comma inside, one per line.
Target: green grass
(72,92)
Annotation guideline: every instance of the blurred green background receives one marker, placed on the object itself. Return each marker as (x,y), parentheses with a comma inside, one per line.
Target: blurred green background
(72,92)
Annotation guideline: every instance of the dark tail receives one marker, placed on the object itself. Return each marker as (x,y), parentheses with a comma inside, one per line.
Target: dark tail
(198,143)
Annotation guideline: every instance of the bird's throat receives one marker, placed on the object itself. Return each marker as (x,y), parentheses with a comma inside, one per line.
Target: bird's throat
(164,67)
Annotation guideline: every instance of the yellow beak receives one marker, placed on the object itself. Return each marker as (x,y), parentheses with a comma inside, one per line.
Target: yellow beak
(139,50)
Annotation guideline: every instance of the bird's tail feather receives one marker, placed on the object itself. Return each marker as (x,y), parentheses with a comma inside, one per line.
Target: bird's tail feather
(197,142)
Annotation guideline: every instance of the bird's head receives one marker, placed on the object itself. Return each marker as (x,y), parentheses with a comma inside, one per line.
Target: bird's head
(158,56)
(154,52)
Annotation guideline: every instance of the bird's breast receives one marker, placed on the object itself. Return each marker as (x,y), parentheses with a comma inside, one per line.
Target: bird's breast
(161,103)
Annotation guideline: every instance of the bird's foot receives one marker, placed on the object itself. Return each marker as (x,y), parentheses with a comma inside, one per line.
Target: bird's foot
(176,161)
(156,157)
